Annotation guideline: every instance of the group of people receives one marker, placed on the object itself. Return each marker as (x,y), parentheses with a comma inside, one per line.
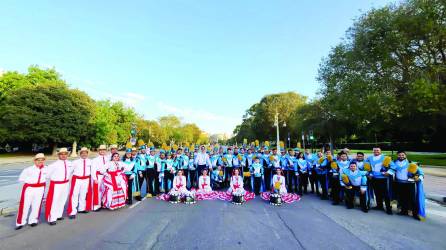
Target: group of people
(111,181)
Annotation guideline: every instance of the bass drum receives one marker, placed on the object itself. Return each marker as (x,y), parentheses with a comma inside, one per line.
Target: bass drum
(275,199)
(189,199)
(238,199)
(174,198)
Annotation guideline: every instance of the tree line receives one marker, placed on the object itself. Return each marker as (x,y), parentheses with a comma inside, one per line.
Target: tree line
(384,82)
(40,108)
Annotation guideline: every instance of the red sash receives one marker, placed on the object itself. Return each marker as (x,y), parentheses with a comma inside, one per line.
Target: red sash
(113,175)
(22,199)
(50,196)
(96,190)
(88,198)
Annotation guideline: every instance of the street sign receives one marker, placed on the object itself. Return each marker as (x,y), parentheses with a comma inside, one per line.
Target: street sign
(133,141)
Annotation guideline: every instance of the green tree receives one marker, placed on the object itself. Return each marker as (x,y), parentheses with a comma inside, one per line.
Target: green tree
(45,114)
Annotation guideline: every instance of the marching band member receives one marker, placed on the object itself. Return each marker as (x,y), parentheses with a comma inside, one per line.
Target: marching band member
(151,175)
(274,160)
(301,170)
(322,172)
(246,168)
(354,182)
(193,172)
(130,172)
(257,173)
(140,167)
(182,162)
(237,159)
(310,158)
(227,160)
(114,184)
(80,190)
(360,160)
(336,168)
(267,166)
(169,172)
(380,179)
(34,179)
(317,165)
(290,174)
(409,186)
(98,168)
(59,174)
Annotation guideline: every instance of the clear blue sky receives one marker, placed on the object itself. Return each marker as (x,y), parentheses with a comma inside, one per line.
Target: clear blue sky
(205,61)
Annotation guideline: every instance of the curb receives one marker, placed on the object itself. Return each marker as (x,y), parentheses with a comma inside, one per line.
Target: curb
(8,211)
(437,198)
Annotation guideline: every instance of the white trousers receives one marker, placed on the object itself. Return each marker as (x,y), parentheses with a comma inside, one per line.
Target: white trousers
(31,199)
(78,197)
(59,199)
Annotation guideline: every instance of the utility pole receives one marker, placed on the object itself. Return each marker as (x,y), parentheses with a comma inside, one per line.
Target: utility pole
(276,123)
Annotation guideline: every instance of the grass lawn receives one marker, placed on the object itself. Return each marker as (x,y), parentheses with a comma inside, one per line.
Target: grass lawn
(432,159)
(10,155)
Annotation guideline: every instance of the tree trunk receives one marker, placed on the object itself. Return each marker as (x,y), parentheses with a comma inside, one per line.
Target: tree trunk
(54,149)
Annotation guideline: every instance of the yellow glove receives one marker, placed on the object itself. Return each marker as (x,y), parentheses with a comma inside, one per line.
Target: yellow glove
(367,166)
(345,179)
(386,162)
(412,168)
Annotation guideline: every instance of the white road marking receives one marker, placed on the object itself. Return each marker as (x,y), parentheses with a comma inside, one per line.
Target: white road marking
(271,224)
(137,203)
(9,176)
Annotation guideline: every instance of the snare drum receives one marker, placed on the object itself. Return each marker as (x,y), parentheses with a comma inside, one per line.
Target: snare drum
(275,199)
(174,198)
(189,199)
(238,199)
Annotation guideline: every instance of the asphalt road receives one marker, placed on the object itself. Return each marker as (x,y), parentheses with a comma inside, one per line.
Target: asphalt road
(153,224)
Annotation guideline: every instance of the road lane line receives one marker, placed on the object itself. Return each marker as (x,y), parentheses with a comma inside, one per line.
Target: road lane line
(137,203)
(9,176)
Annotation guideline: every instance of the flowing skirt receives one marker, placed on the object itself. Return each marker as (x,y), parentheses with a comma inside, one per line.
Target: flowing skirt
(286,198)
(114,197)
(227,196)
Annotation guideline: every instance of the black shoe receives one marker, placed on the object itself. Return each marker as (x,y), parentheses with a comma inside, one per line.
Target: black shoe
(416,217)
(365,210)
(324,198)
(61,218)
(72,217)
(84,212)
(97,210)
(33,224)
(52,223)
(349,207)
(389,211)
(335,203)
(378,208)
(18,227)
(403,213)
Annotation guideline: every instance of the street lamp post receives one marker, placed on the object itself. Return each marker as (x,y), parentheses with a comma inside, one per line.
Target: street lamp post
(276,123)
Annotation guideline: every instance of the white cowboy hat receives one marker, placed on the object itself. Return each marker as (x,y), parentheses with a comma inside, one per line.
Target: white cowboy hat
(39,156)
(62,151)
(102,147)
(83,149)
